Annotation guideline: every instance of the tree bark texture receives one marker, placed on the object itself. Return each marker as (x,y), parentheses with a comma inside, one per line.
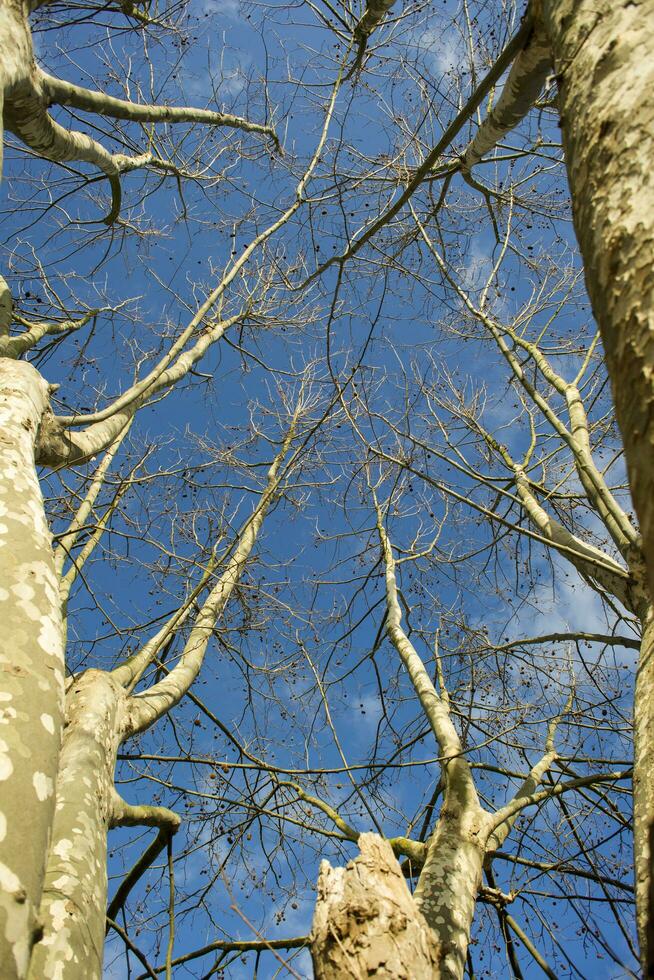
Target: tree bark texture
(366,924)
(15,53)
(449,882)
(644,796)
(603,52)
(31,668)
(59,739)
(75,892)
(58,799)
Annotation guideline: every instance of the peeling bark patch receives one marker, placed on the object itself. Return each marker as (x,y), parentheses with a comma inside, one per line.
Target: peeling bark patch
(63,849)
(366,923)
(43,785)
(6,765)
(17,920)
(48,723)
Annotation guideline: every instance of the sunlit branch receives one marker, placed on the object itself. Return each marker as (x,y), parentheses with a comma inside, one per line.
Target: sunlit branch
(67,94)
(521,89)
(561,866)
(505,812)
(612,514)
(18,345)
(436,708)
(78,560)
(60,446)
(434,156)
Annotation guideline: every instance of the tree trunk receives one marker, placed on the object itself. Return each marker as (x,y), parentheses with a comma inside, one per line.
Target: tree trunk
(32,668)
(644,796)
(57,799)
(74,900)
(16,61)
(366,924)
(603,52)
(449,882)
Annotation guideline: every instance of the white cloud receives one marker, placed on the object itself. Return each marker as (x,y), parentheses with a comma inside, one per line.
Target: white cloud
(229,9)
(443,51)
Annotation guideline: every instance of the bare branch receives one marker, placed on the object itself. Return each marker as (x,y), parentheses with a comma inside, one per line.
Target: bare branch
(67,94)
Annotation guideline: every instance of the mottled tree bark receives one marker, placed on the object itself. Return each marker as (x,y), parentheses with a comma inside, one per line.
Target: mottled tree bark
(366,924)
(356,932)
(75,891)
(354,928)
(58,797)
(604,60)
(6,301)
(16,46)
(31,667)
(644,796)
(26,98)
(449,882)
(603,52)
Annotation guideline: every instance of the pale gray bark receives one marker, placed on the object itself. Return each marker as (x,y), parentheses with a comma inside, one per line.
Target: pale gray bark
(75,893)
(6,302)
(20,344)
(73,905)
(25,103)
(17,54)
(603,56)
(65,93)
(353,934)
(366,923)
(100,714)
(592,563)
(447,888)
(60,445)
(32,662)
(449,882)
(60,796)
(373,15)
(644,796)
(145,708)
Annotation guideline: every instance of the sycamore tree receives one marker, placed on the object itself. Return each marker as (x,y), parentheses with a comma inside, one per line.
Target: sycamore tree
(590,61)
(534,475)
(316,532)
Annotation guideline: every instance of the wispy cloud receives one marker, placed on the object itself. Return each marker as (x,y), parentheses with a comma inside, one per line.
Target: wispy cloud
(443,51)
(229,9)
